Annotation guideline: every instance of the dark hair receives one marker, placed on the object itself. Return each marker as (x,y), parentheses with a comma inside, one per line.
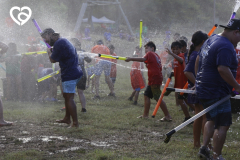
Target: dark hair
(176,44)
(76,43)
(177,34)
(183,38)
(111,46)
(99,42)
(197,38)
(151,44)
(183,43)
(12,47)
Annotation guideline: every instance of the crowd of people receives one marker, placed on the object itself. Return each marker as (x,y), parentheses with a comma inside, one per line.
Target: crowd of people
(209,66)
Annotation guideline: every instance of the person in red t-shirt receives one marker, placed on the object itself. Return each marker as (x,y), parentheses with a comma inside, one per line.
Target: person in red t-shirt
(137,80)
(238,69)
(180,78)
(113,73)
(153,63)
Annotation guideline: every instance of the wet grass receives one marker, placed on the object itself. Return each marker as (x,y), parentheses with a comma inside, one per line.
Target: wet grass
(110,130)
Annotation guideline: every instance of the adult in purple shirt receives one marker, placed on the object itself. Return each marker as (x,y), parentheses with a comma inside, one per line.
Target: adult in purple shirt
(215,79)
(65,53)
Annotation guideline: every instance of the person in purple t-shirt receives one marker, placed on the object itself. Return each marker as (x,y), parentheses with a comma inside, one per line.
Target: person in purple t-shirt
(65,53)
(198,39)
(215,80)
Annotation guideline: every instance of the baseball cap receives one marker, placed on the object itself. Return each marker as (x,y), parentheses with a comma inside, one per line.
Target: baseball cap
(233,24)
(47,31)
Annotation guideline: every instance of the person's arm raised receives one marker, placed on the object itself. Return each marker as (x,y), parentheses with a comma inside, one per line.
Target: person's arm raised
(179,59)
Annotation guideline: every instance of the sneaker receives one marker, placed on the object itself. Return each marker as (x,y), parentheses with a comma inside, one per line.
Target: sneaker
(220,158)
(187,118)
(204,153)
(135,103)
(130,98)
(83,110)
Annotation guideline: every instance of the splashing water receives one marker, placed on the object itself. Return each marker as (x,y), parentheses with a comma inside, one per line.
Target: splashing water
(237,5)
(95,56)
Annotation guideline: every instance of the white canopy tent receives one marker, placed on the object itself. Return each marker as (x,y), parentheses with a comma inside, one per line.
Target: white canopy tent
(100,20)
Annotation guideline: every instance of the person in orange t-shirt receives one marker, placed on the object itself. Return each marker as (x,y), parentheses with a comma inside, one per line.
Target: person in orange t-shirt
(180,78)
(102,64)
(113,73)
(137,80)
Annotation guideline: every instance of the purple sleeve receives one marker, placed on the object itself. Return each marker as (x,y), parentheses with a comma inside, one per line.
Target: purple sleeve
(191,63)
(56,54)
(224,58)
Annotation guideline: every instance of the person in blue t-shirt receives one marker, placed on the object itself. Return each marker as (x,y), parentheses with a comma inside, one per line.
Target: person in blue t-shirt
(65,53)
(215,79)
(198,39)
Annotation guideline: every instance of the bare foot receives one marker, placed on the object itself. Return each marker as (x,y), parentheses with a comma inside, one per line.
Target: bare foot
(141,116)
(5,124)
(63,121)
(74,126)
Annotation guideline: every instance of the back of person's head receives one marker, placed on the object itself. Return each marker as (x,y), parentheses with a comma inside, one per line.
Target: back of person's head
(111,46)
(197,38)
(183,43)
(100,42)
(12,47)
(176,36)
(151,45)
(76,43)
(176,44)
(184,38)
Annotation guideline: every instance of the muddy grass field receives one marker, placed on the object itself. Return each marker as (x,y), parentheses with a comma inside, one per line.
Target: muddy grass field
(108,131)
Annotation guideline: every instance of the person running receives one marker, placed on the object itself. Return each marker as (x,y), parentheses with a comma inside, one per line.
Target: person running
(3,50)
(198,39)
(65,53)
(217,67)
(153,63)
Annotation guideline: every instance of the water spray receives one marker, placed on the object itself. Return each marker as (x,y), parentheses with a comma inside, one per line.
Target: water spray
(39,30)
(237,5)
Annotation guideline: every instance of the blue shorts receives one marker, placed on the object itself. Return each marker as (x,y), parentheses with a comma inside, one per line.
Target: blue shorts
(90,70)
(137,89)
(103,65)
(221,114)
(69,86)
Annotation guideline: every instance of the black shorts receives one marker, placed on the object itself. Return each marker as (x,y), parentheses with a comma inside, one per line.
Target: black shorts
(82,83)
(153,91)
